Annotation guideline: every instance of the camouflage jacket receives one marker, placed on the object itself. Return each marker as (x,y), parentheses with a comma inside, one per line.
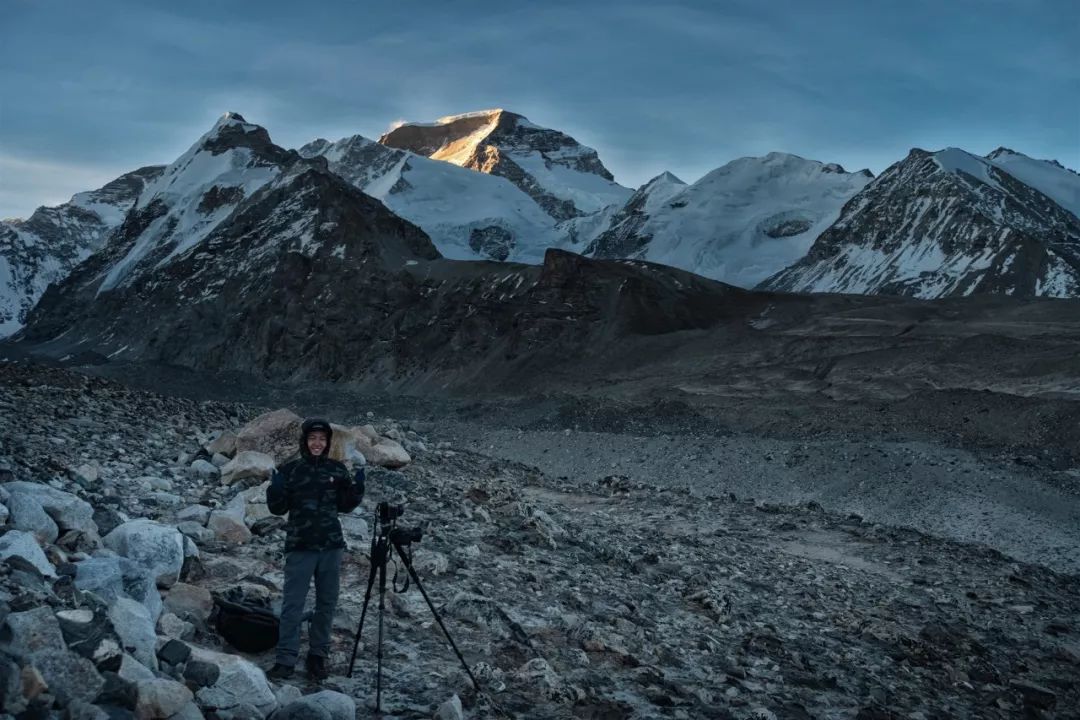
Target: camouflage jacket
(313,490)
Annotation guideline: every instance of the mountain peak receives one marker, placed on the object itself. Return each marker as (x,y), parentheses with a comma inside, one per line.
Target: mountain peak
(563,176)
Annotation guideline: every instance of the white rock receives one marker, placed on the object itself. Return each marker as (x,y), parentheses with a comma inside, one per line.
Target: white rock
(451,710)
(28,515)
(240,682)
(110,576)
(135,628)
(286,694)
(219,460)
(133,671)
(197,532)
(160,698)
(159,483)
(204,469)
(173,627)
(159,548)
(25,545)
(194,513)
(67,510)
(246,464)
(338,705)
(4,514)
(89,472)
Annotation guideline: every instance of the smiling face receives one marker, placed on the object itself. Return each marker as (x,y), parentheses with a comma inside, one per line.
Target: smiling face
(316,442)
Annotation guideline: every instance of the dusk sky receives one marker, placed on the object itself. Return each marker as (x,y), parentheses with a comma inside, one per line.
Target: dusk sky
(90,90)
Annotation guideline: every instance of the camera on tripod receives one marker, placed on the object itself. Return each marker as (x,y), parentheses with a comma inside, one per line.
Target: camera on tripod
(387,515)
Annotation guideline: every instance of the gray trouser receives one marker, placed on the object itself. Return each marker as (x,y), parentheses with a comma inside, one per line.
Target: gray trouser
(300,566)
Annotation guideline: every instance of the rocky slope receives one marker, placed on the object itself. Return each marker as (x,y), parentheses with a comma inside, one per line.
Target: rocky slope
(951,223)
(46,247)
(584,595)
(562,176)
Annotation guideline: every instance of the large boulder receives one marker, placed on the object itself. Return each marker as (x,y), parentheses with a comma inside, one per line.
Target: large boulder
(69,676)
(114,577)
(239,682)
(376,449)
(161,698)
(26,514)
(23,544)
(34,631)
(327,704)
(223,444)
(159,548)
(135,628)
(228,523)
(275,433)
(248,464)
(67,510)
(190,602)
(85,630)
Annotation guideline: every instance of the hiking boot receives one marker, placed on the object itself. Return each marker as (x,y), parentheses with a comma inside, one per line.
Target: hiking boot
(316,667)
(280,672)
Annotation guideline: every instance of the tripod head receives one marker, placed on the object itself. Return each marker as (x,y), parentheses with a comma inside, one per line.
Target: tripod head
(386,516)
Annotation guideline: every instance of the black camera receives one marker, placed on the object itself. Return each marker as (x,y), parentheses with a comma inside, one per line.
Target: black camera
(389,513)
(404,536)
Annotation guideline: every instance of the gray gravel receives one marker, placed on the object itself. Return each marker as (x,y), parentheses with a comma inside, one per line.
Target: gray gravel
(1029,514)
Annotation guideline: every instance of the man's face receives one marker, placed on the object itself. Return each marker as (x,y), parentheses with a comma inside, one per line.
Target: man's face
(316,442)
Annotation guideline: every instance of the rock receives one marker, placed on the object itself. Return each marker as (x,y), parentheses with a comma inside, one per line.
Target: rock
(160,698)
(267,525)
(190,602)
(118,691)
(84,541)
(219,461)
(17,543)
(338,705)
(108,655)
(80,710)
(159,548)
(69,676)
(300,710)
(67,510)
(84,631)
(229,527)
(203,469)
(174,652)
(200,673)
(10,685)
(114,577)
(240,681)
(158,483)
(173,627)
(200,534)
(26,514)
(1035,695)
(33,682)
(244,711)
(255,507)
(5,514)
(34,631)
(135,628)
(248,464)
(276,433)
(378,450)
(190,711)
(87,474)
(133,671)
(286,694)
(451,710)
(223,444)
(107,519)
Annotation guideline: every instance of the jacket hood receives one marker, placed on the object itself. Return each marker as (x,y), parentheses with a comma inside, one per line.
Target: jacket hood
(312,425)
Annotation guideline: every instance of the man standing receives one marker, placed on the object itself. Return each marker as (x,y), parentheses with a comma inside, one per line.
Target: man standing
(312,489)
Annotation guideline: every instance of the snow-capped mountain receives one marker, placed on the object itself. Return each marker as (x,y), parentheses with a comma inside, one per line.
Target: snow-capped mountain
(194,194)
(738,224)
(44,248)
(951,223)
(469,215)
(565,178)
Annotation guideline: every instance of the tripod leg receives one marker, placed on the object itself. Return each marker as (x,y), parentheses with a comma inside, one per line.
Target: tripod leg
(382,607)
(416,579)
(367,596)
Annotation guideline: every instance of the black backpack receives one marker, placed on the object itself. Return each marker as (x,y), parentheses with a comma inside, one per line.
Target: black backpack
(247,624)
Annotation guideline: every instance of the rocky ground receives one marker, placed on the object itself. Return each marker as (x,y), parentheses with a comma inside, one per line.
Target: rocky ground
(590,591)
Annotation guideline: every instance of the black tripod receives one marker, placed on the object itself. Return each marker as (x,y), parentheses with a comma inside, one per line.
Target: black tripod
(399,539)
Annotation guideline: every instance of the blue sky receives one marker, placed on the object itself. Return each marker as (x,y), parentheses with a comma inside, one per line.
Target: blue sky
(89,90)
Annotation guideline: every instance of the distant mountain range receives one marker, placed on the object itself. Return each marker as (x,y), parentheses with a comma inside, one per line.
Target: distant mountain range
(493,186)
